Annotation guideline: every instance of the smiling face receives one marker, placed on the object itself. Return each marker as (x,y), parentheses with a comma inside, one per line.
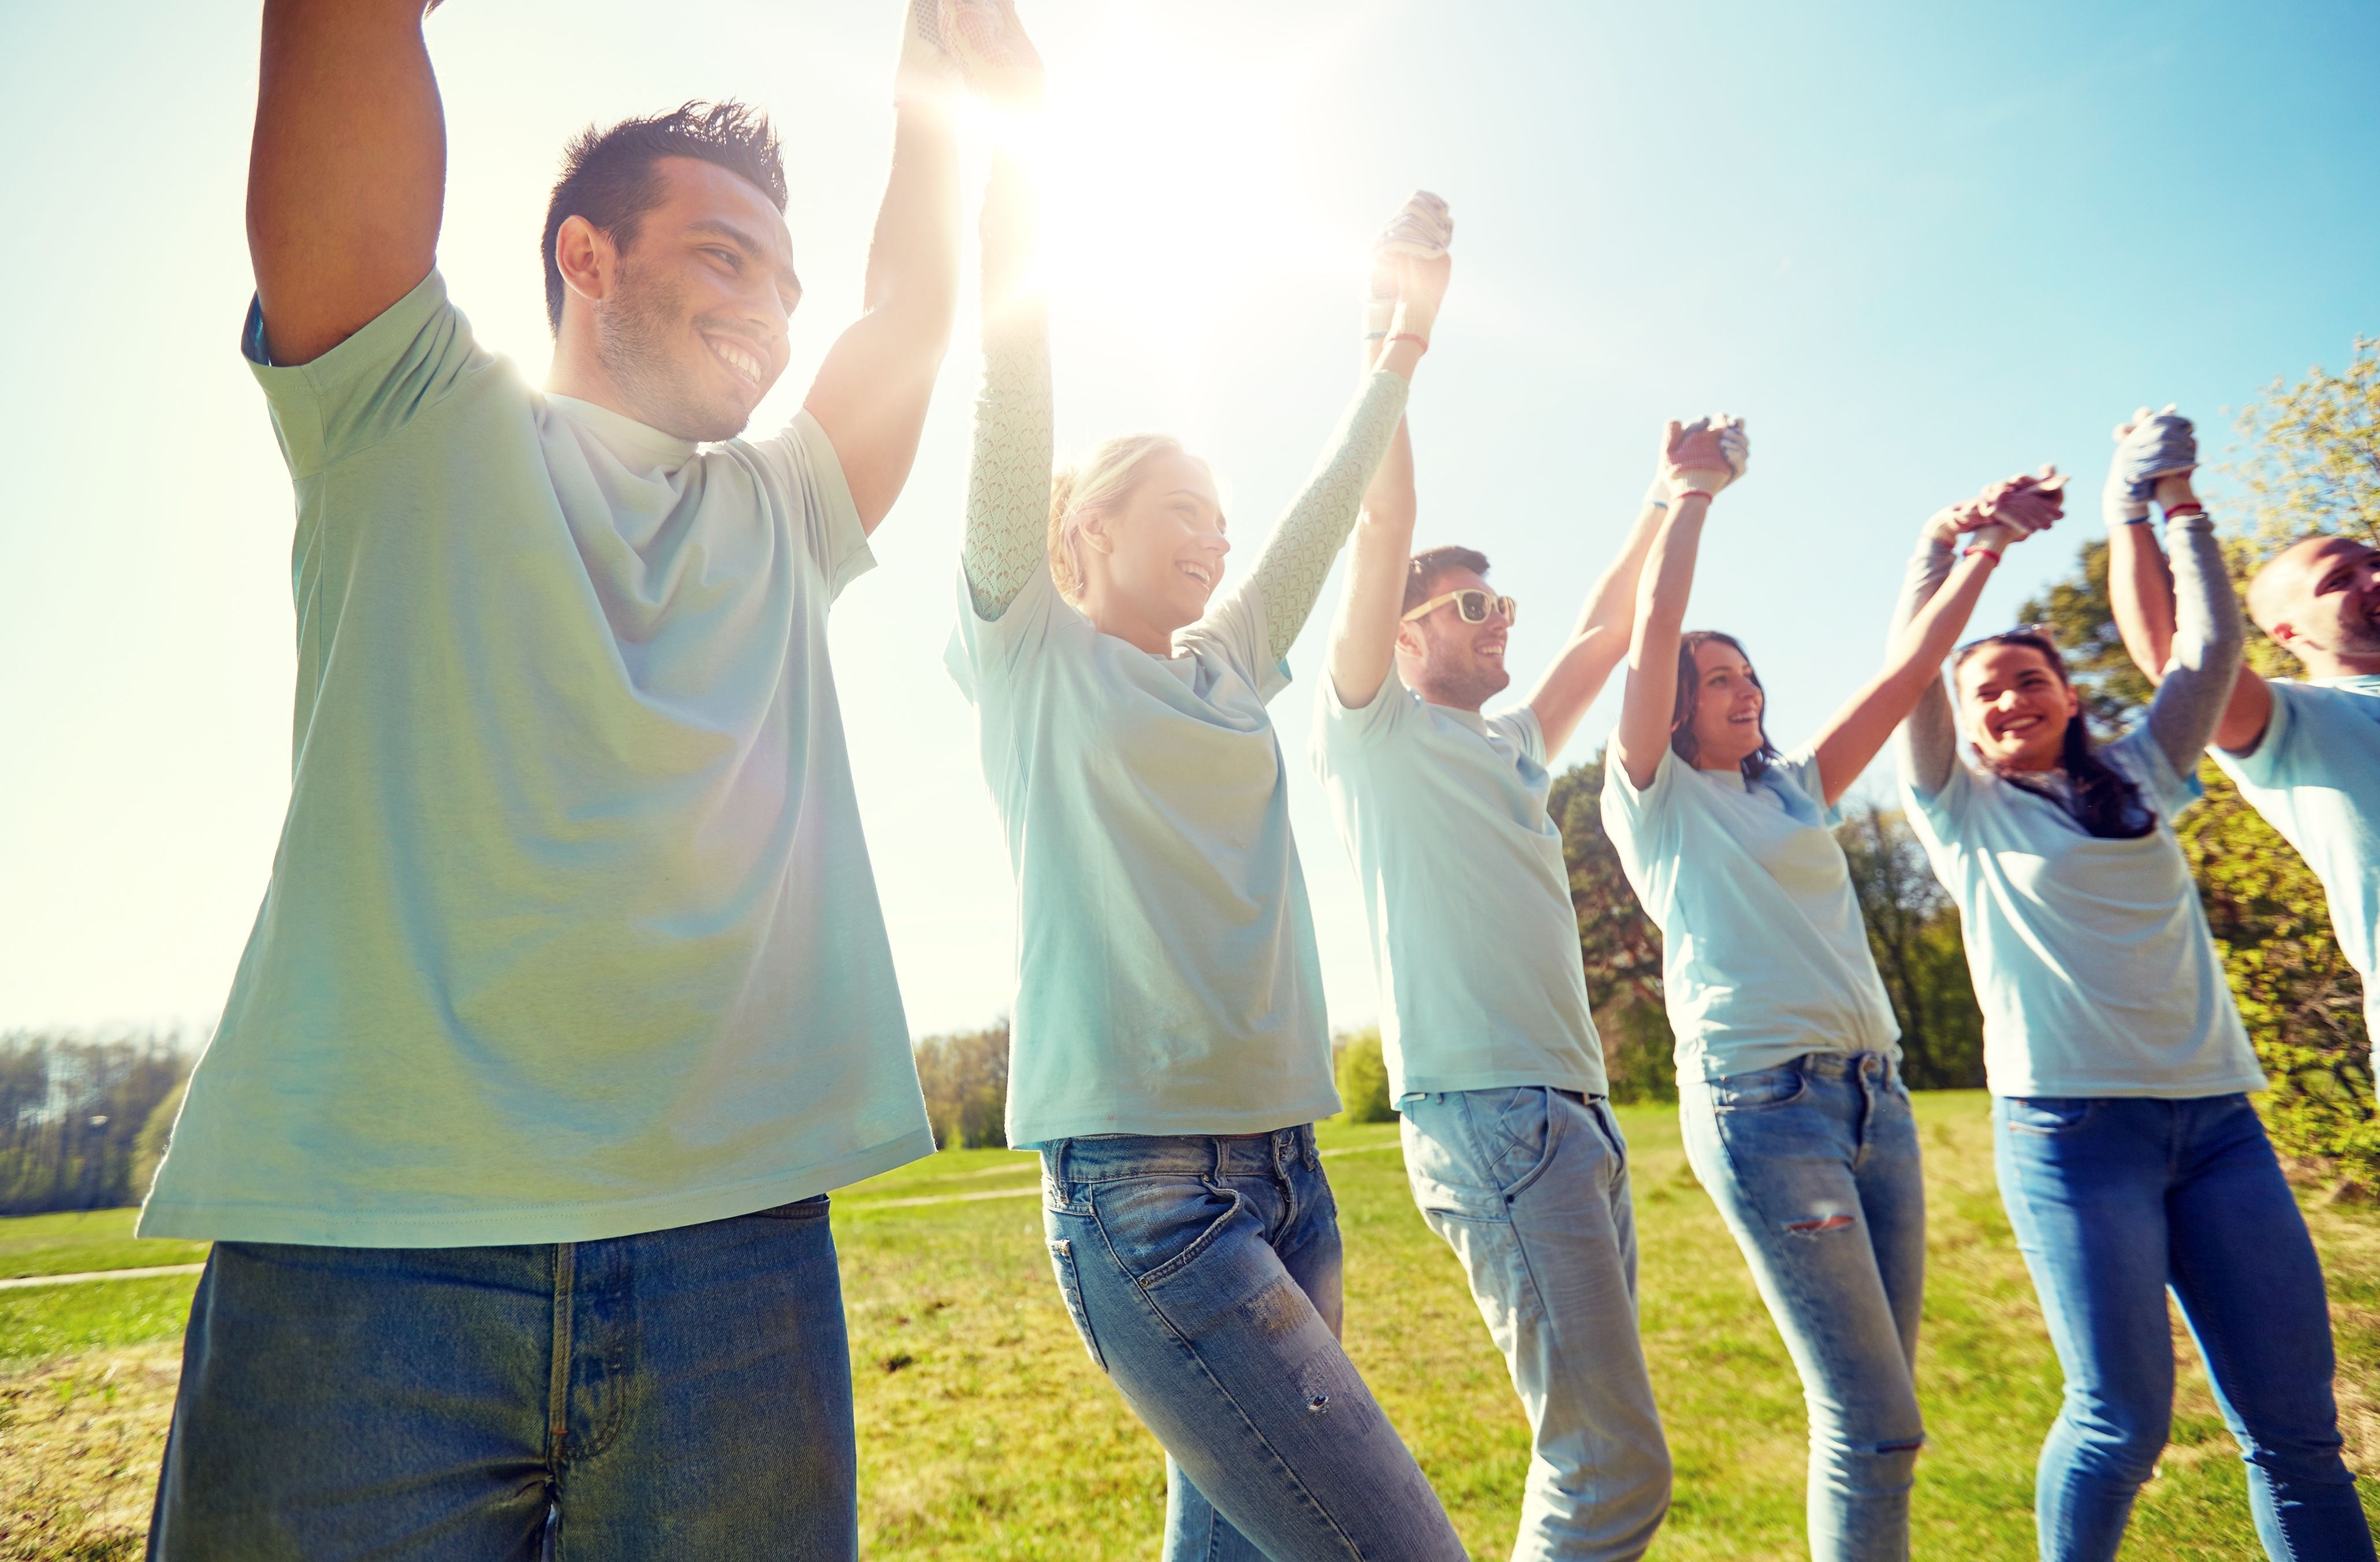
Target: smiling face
(1446,661)
(2321,600)
(1728,702)
(1153,560)
(2016,704)
(689,317)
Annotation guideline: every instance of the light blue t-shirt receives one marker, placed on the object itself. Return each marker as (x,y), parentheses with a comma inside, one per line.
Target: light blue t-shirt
(1763,954)
(1474,936)
(571,932)
(2091,957)
(1167,975)
(2316,774)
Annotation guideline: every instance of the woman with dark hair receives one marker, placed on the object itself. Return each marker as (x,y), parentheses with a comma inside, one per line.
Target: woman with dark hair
(2128,1158)
(1795,1117)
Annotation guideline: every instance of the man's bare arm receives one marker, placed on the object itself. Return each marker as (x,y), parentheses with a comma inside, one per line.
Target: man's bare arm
(347,177)
(872,392)
(1598,642)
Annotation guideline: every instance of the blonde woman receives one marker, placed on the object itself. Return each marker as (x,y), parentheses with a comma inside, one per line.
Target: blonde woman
(1170,1048)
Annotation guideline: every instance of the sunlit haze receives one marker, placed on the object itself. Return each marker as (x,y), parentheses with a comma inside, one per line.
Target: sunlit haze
(1917,247)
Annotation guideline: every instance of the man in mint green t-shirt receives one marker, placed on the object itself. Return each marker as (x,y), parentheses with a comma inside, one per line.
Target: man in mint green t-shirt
(570,996)
(2305,755)
(1510,1147)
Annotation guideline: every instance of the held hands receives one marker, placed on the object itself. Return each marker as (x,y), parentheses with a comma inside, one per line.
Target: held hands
(2152,446)
(1701,456)
(1410,267)
(2005,512)
(951,46)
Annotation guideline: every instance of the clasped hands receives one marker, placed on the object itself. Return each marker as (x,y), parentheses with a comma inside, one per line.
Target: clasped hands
(1703,457)
(2005,512)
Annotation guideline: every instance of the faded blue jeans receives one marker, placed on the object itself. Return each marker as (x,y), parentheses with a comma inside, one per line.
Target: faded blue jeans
(676,1395)
(1529,1186)
(1204,1275)
(2115,1200)
(1815,1166)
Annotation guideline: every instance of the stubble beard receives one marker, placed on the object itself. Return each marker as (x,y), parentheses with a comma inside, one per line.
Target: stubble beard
(635,332)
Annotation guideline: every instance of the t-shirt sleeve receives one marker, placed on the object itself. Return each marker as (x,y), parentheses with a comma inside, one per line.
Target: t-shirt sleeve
(2271,762)
(1945,809)
(1800,771)
(1343,726)
(2141,756)
(1642,826)
(983,649)
(1519,725)
(830,521)
(412,355)
(1234,627)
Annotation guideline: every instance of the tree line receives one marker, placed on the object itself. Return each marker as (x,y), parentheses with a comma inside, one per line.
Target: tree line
(84,1116)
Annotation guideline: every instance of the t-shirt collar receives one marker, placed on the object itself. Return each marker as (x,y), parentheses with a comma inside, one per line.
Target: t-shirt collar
(636,445)
(2361,682)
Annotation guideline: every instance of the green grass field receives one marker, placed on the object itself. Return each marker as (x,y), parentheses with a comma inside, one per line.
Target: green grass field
(986,1433)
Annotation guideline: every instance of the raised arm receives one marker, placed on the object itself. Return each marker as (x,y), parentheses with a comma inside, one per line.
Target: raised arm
(347,175)
(1364,640)
(2201,674)
(1297,556)
(1698,471)
(1006,539)
(1923,629)
(1599,639)
(2140,582)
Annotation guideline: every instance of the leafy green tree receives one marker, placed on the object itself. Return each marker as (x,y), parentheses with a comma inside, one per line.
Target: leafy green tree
(964,1077)
(72,1107)
(1618,943)
(1912,928)
(1363,1074)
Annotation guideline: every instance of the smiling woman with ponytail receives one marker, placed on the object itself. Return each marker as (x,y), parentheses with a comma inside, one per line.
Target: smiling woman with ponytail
(2128,1158)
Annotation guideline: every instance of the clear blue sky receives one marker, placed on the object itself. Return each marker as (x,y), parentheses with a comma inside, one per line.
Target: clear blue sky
(1917,247)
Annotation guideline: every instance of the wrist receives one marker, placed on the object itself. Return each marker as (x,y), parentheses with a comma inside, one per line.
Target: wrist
(1413,319)
(2175,490)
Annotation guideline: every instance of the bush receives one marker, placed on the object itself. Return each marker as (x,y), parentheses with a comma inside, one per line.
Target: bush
(1363,1071)
(964,1076)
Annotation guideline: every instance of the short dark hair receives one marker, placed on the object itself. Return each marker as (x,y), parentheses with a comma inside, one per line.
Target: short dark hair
(1431,562)
(608,177)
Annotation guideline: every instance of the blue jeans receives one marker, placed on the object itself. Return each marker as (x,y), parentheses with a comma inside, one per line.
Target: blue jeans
(678,1394)
(2114,1199)
(1203,1274)
(1815,1166)
(1529,1186)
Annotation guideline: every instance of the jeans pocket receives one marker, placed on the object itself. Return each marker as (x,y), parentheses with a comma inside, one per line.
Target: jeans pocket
(1525,1131)
(1061,1259)
(1159,1226)
(2049,1116)
(1758,1090)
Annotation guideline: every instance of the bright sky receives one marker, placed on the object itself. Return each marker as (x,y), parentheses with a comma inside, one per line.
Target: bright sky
(1918,248)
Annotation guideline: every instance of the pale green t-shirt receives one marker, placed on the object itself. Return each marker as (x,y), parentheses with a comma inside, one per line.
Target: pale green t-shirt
(1466,891)
(571,932)
(2090,956)
(1167,975)
(2316,774)
(1763,954)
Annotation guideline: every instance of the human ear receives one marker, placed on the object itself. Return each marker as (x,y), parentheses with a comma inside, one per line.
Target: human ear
(584,256)
(1095,532)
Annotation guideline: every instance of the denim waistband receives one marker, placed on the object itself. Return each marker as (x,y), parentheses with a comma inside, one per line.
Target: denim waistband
(1877,1066)
(1107,1156)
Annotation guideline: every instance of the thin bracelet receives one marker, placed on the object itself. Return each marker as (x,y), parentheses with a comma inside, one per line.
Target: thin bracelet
(1702,493)
(1976,548)
(1410,336)
(2189,507)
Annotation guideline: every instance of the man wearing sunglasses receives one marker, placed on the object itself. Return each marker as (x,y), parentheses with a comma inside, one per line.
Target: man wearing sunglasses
(1493,1060)
(2306,754)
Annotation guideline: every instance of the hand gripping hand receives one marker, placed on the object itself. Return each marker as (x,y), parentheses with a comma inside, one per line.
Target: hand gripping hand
(1695,458)
(1421,230)
(2152,446)
(2012,509)
(1001,64)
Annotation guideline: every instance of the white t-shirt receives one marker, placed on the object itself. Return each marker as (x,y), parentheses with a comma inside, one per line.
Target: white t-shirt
(1763,954)
(1474,936)
(571,933)
(2091,957)
(1167,976)
(2316,774)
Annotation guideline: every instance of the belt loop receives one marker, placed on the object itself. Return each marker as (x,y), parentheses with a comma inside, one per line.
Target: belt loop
(1058,1173)
(1313,1148)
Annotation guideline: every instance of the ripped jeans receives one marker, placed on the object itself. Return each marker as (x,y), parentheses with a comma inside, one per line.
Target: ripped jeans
(1203,1274)
(1814,1166)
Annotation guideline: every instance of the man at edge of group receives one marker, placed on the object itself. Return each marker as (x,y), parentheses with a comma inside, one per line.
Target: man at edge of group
(570,996)
(1510,1147)
(2305,755)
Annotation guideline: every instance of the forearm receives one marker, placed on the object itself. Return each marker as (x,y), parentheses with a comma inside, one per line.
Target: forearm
(1006,539)
(1928,738)
(2140,590)
(1666,584)
(1298,554)
(347,169)
(2207,640)
(1362,643)
(1600,638)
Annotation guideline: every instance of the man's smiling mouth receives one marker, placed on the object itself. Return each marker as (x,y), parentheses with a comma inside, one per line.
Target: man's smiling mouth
(741,361)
